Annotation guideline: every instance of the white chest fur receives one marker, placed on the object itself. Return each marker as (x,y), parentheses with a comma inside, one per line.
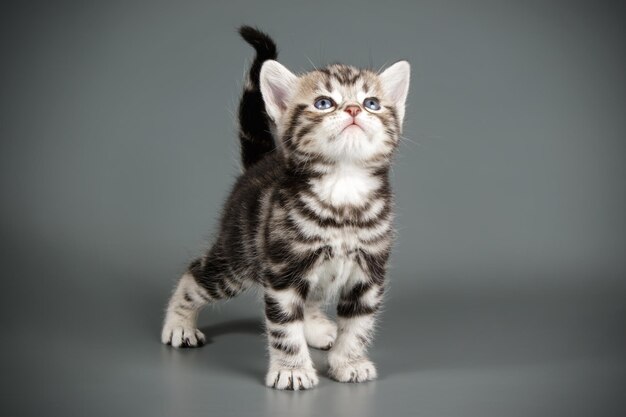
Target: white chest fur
(345,184)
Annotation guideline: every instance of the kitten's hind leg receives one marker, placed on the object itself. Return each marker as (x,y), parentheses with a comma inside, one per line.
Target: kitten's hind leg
(320,332)
(179,327)
(207,280)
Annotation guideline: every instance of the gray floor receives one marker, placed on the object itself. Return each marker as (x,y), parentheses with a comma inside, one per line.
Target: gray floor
(117,148)
(446,348)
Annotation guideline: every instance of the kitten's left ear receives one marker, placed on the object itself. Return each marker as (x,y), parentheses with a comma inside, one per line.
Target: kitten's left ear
(395,81)
(277,85)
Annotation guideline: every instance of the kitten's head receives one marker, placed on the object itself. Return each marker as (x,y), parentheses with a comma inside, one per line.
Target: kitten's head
(338,113)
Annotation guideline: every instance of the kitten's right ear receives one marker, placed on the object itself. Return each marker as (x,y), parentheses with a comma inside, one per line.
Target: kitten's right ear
(277,84)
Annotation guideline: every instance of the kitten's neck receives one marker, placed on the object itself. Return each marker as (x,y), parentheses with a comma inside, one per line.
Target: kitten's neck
(344,183)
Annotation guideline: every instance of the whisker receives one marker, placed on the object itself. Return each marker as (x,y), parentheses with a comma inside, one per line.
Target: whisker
(311,62)
(410,140)
(381,67)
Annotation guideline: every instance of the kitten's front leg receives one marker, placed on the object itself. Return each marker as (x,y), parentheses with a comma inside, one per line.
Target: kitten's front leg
(356,314)
(291,367)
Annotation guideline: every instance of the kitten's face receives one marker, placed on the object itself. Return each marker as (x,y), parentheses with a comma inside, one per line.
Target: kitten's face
(339,113)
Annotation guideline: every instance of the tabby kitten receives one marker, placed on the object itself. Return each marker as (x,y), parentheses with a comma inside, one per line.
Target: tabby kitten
(310,218)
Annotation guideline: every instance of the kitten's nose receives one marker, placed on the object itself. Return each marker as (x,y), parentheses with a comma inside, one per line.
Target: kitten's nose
(353,110)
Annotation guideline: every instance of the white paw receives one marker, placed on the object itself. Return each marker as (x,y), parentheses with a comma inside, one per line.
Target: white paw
(320,333)
(291,378)
(356,371)
(181,336)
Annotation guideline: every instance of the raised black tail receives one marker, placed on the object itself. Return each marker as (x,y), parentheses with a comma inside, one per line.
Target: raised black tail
(254,124)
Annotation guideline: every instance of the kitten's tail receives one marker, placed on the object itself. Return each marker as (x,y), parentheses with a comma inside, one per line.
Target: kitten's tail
(254,124)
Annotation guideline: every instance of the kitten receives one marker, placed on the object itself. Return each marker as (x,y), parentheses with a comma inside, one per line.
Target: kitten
(311,216)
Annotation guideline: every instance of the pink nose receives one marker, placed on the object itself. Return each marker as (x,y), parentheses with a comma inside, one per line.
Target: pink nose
(353,110)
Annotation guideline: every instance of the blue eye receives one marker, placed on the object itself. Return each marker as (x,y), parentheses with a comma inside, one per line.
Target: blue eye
(371,103)
(324,103)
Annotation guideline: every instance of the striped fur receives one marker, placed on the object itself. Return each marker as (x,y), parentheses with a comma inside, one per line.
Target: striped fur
(308,221)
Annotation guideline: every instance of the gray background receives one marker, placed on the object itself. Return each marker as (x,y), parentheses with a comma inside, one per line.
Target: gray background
(118,147)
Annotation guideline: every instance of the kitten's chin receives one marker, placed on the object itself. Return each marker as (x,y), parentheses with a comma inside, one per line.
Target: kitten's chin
(355,149)
(351,144)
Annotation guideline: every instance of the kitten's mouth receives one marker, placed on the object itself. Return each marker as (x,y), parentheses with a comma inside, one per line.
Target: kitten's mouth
(351,126)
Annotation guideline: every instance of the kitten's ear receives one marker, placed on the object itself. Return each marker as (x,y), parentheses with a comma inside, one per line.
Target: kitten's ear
(277,84)
(395,81)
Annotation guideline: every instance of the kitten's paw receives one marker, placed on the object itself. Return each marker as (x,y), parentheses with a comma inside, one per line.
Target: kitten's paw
(320,333)
(182,337)
(357,371)
(293,379)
